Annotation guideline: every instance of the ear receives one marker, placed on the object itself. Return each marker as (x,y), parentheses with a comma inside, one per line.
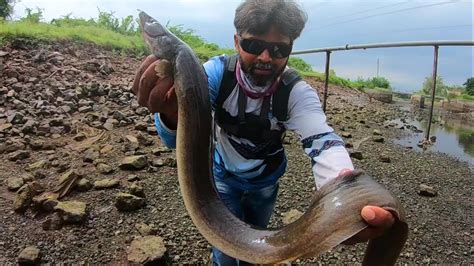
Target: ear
(236,43)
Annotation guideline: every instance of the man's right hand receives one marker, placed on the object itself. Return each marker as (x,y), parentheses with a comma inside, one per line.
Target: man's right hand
(157,94)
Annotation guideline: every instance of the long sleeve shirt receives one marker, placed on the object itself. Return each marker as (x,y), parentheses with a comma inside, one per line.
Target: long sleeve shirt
(306,118)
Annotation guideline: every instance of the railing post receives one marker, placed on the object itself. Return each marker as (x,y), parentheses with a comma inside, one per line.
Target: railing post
(433,90)
(326,81)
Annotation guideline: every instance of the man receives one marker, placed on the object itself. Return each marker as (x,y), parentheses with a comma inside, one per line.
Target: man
(255,98)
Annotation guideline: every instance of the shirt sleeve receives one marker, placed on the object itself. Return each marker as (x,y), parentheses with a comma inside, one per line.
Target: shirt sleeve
(214,69)
(325,148)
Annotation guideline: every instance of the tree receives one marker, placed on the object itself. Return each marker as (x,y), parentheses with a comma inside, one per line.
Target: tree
(6,8)
(469,86)
(440,87)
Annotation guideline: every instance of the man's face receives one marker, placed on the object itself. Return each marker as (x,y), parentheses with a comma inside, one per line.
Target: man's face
(265,66)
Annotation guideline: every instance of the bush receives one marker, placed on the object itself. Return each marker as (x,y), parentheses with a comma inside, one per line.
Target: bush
(469,86)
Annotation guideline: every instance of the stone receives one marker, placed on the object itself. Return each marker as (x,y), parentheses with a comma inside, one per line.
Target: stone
(346,135)
(23,198)
(377,132)
(18,155)
(36,166)
(106,183)
(71,211)
(132,178)
(384,158)
(83,185)
(171,162)
(428,191)
(45,201)
(128,202)
(53,222)
(291,216)
(137,190)
(147,249)
(356,155)
(134,162)
(15,183)
(379,139)
(104,168)
(145,230)
(29,256)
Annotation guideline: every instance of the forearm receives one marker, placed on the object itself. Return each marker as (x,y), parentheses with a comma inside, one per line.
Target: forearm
(328,156)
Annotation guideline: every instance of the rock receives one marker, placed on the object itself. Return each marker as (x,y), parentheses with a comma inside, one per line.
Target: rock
(53,222)
(71,211)
(141,126)
(23,198)
(83,185)
(384,158)
(4,127)
(171,162)
(15,183)
(106,149)
(137,190)
(379,139)
(356,155)
(106,183)
(291,216)
(104,168)
(147,249)
(145,230)
(158,163)
(29,256)
(91,155)
(37,165)
(132,178)
(346,135)
(46,201)
(425,190)
(377,132)
(134,162)
(128,202)
(18,155)
(152,130)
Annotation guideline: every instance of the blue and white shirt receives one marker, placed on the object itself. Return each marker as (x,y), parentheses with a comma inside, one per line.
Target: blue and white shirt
(306,118)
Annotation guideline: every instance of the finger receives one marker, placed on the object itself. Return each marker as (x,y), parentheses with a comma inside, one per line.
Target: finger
(143,66)
(377,217)
(148,81)
(157,102)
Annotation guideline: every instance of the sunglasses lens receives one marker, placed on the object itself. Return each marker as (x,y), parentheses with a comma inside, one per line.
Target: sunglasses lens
(252,46)
(256,47)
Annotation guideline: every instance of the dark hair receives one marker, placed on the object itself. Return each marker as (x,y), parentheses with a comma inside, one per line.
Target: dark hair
(258,16)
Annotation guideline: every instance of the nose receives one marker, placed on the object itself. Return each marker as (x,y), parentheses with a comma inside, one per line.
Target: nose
(265,56)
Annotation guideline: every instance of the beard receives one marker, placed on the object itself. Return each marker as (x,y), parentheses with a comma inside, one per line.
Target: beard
(261,74)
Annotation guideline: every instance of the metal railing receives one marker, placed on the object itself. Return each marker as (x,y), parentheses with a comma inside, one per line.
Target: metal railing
(435,44)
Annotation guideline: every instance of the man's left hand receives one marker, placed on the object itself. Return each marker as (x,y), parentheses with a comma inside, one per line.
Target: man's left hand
(377,218)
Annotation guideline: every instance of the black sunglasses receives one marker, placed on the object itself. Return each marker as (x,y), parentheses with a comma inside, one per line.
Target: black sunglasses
(256,47)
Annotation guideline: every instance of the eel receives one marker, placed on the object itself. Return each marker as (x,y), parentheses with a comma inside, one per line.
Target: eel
(333,216)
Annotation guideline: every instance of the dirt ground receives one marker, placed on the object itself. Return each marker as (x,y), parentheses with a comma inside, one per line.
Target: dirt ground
(66,106)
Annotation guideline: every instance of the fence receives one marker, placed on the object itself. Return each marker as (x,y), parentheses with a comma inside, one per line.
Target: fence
(435,44)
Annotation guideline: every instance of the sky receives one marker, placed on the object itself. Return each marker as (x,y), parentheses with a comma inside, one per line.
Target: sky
(330,23)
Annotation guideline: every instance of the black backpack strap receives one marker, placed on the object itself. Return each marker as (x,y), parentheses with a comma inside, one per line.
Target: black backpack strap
(280,98)
(228,81)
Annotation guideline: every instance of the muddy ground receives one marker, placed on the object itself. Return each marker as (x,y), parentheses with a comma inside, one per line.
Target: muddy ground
(68,107)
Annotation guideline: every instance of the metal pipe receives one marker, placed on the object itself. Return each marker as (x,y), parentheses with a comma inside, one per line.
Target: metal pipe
(326,81)
(386,45)
(433,90)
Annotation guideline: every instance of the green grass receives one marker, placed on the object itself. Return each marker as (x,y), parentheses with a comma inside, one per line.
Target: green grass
(48,32)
